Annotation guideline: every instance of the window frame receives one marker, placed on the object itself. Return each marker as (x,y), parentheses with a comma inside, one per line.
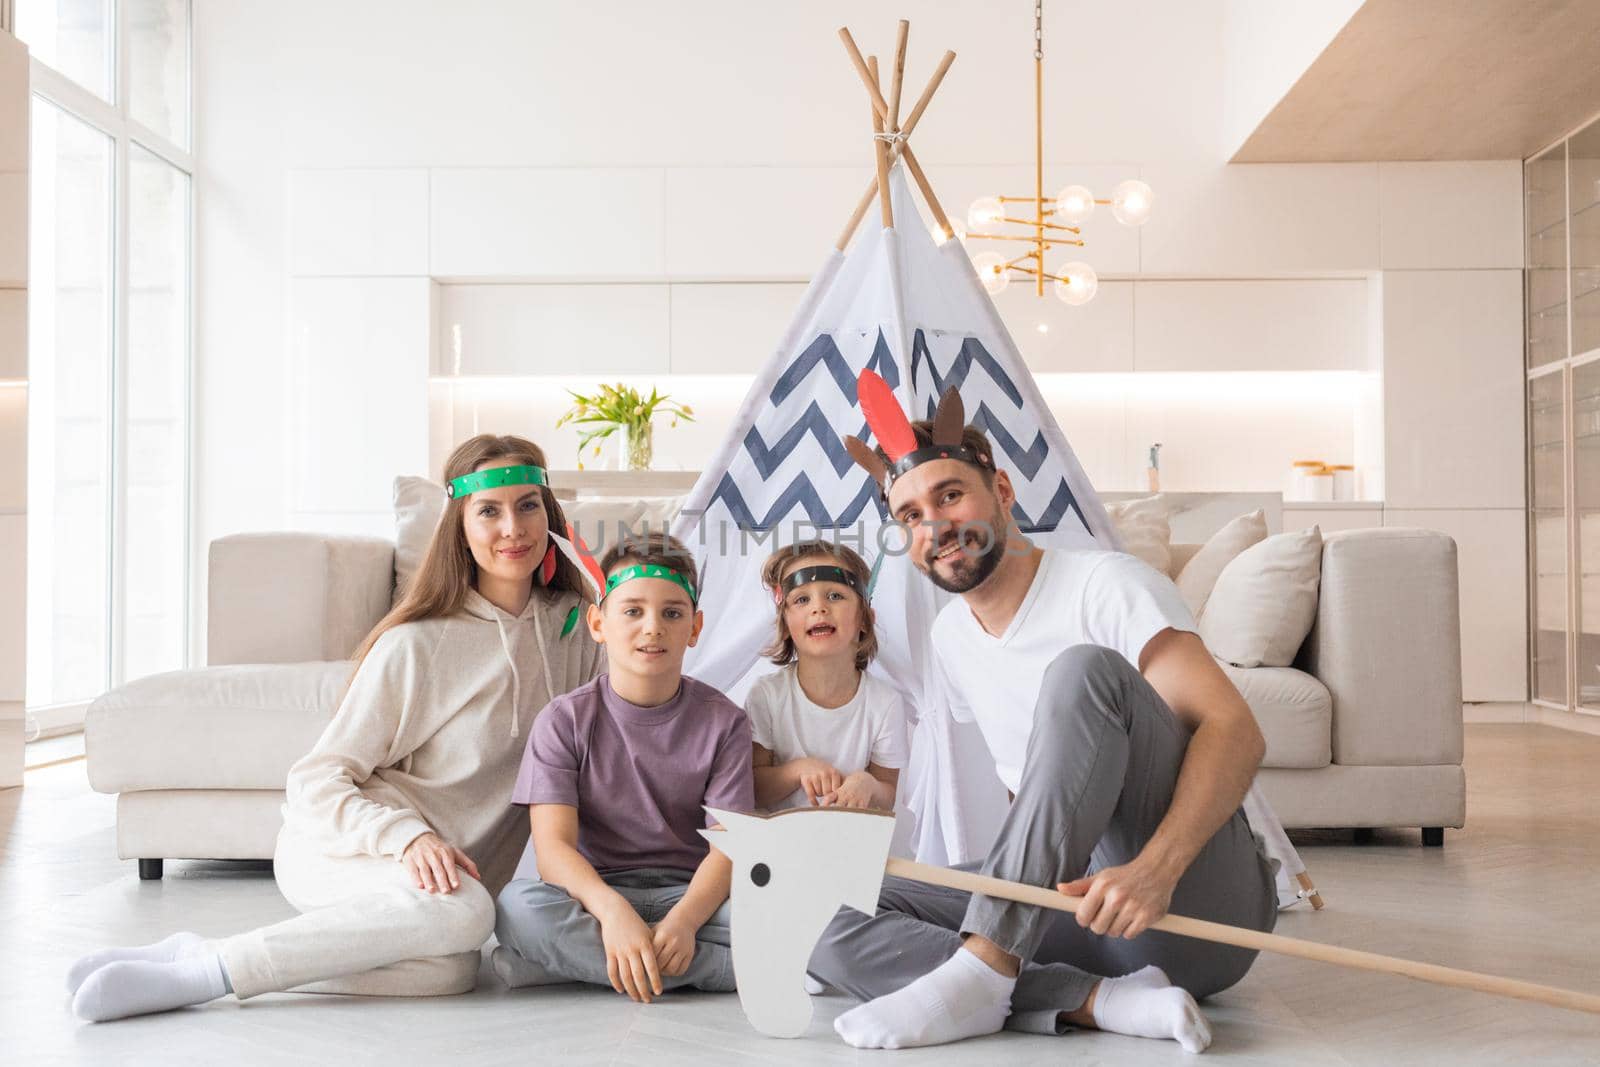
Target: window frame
(116,122)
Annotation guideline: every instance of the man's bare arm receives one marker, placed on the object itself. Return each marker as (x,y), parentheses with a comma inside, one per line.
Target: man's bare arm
(1224,751)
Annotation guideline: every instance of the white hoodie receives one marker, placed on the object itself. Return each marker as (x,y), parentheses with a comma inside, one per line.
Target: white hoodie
(431,733)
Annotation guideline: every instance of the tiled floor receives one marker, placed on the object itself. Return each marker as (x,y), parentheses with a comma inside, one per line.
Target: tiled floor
(1513,894)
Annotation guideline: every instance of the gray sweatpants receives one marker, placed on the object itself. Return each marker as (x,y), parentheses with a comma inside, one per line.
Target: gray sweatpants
(1101,768)
(546,927)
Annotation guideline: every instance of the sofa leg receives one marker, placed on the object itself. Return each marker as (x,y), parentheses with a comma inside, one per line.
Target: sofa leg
(150,870)
(1433,836)
(1363,835)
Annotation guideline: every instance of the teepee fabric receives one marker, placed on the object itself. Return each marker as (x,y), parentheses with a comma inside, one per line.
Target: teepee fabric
(916,313)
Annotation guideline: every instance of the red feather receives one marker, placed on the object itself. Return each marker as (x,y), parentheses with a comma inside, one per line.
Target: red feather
(589,562)
(889,424)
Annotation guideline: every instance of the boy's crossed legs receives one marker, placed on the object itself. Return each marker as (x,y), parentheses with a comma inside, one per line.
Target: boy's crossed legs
(547,937)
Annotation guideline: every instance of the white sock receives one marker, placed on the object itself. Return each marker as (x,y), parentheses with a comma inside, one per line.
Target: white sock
(174,947)
(962,997)
(518,972)
(815,988)
(139,987)
(1147,1004)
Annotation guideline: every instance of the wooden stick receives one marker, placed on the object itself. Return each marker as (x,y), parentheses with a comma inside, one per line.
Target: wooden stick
(1311,890)
(934,206)
(1253,939)
(892,120)
(910,124)
(880,106)
(927,94)
(880,150)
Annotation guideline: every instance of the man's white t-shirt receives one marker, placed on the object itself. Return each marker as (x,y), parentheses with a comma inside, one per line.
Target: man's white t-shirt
(1077,598)
(870,728)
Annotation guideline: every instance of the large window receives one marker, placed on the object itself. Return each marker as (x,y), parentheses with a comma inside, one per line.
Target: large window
(109,344)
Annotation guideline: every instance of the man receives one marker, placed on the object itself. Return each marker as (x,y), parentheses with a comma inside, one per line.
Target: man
(1127,753)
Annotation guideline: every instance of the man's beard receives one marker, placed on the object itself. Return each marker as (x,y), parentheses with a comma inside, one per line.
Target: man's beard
(974,563)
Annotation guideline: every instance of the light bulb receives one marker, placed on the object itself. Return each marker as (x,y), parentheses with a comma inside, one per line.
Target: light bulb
(1130,202)
(992,271)
(1077,283)
(1074,204)
(985,211)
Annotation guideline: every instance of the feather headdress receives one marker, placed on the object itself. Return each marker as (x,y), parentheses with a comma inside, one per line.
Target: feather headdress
(897,439)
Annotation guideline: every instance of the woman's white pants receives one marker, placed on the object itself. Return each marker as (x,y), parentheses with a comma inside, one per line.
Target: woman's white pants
(364,928)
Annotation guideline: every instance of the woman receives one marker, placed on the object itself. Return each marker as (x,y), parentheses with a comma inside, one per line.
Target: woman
(398,831)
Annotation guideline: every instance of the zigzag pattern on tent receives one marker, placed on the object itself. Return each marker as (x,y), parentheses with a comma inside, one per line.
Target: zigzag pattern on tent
(798,492)
(823,351)
(1025,460)
(767,452)
(785,438)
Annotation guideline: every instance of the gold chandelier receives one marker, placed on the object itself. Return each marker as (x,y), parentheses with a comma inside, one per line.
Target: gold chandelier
(1054,222)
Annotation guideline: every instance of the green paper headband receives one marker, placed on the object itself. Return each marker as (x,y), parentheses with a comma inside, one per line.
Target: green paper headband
(494,478)
(651,570)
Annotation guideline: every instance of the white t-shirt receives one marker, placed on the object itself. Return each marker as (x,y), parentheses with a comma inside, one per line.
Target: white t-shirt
(870,728)
(1077,597)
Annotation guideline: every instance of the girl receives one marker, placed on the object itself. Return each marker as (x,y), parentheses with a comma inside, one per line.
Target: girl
(397,829)
(825,731)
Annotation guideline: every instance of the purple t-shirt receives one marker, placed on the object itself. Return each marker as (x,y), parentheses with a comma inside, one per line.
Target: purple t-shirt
(639,776)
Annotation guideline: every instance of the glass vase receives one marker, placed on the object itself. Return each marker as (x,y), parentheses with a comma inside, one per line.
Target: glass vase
(639,446)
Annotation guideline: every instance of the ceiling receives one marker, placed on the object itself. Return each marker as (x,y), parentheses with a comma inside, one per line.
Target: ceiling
(1440,79)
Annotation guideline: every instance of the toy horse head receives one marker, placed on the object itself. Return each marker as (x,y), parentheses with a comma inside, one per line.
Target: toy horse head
(791,873)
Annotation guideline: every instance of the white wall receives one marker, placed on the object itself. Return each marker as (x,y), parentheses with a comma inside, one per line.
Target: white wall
(366,168)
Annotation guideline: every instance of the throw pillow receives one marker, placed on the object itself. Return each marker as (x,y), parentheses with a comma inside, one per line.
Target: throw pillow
(1143,528)
(1265,601)
(418,503)
(1199,576)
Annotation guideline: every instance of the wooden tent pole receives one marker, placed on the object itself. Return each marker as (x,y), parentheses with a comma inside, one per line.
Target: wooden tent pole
(926,186)
(910,124)
(892,119)
(882,107)
(880,148)
(927,95)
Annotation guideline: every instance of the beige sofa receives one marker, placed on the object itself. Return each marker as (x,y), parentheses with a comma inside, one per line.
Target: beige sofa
(1365,730)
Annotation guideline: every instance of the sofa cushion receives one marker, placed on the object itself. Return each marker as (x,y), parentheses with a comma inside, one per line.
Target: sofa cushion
(1294,710)
(418,503)
(1265,601)
(237,727)
(1144,528)
(603,521)
(1199,574)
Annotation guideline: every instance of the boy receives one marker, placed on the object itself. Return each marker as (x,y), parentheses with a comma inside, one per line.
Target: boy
(615,777)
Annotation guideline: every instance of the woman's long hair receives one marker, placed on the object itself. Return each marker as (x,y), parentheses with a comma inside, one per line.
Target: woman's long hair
(448,571)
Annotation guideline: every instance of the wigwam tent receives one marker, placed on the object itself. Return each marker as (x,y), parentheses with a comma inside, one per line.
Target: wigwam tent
(913,310)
